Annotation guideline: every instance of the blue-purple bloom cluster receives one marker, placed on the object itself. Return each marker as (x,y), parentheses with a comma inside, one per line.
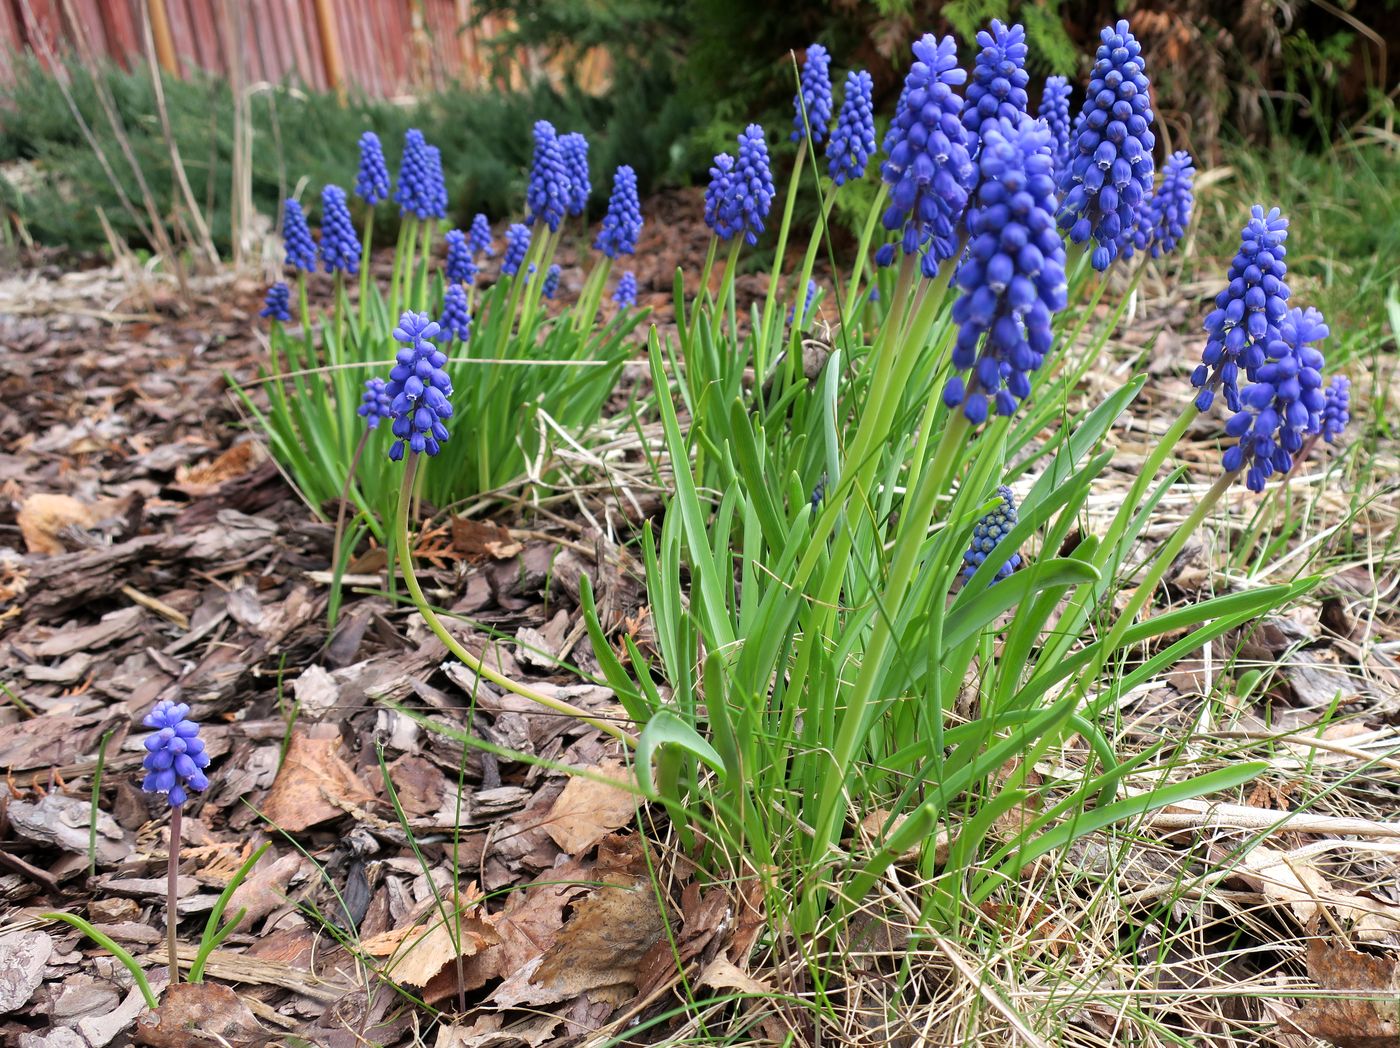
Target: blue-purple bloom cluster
(456,319)
(812,104)
(625,294)
(278,303)
(296,234)
(1336,411)
(574,148)
(175,758)
(622,224)
(480,237)
(550,284)
(1054,110)
(517,244)
(372,180)
(1109,175)
(999,78)
(1248,312)
(460,267)
(807,302)
(547,194)
(1013,276)
(741,191)
(421,191)
(418,388)
(1163,222)
(374,403)
(928,164)
(852,144)
(987,535)
(340,247)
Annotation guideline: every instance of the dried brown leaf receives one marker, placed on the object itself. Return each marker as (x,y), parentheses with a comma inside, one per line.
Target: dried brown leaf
(42,516)
(588,810)
(314,785)
(1347,1019)
(195,1015)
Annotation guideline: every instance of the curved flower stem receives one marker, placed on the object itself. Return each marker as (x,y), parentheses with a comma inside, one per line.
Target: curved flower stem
(340,512)
(172,883)
(415,591)
(364,266)
(761,352)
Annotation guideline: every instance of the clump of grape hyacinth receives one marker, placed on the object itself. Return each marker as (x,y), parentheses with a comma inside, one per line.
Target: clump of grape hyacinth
(175,758)
(372,179)
(460,267)
(374,403)
(1164,220)
(547,194)
(928,166)
(812,104)
(574,148)
(1109,175)
(625,294)
(340,247)
(999,78)
(1284,405)
(480,237)
(852,144)
(278,303)
(1248,312)
(456,319)
(1336,407)
(421,191)
(517,244)
(987,535)
(418,388)
(551,282)
(1012,278)
(622,224)
(1054,110)
(301,249)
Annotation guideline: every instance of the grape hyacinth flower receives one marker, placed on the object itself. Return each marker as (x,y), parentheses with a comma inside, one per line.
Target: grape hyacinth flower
(1248,312)
(460,267)
(374,403)
(301,249)
(547,194)
(999,78)
(1109,175)
(437,184)
(1012,279)
(456,319)
(372,180)
(806,302)
(175,759)
(480,237)
(1336,408)
(517,244)
(278,303)
(720,213)
(622,224)
(852,144)
(420,191)
(1054,110)
(551,282)
(418,388)
(928,166)
(340,247)
(987,534)
(750,190)
(1163,222)
(812,104)
(626,293)
(1284,405)
(574,149)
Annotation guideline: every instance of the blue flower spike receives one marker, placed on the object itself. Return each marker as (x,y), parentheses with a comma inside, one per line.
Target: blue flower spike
(987,535)
(999,78)
(1247,314)
(278,303)
(719,210)
(625,294)
(374,403)
(928,166)
(372,179)
(460,267)
(1336,408)
(1012,279)
(340,247)
(1109,175)
(574,148)
(301,249)
(456,319)
(741,191)
(517,244)
(550,285)
(547,193)
(852,144)
(622,224)
(418,388)
(812,104)
(421,191)
(175,758)
(1162,224)
(479,237)
(1054,110)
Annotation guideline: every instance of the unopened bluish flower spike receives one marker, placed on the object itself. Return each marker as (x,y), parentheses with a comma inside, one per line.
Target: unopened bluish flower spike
(372,180)
(928,166)
(175,757)
(420,191)
(460,267)
(374,403)
(1284,405)
(852,144)
(1012,278)
(622,225)
(1109,175)
(550,283)
(1054,110)
(301,249)
(456,319)
(811,297)
(340,247)
(1163,222)
(480,237)
(987,535)
(437,185)
(547,194)
(814,97)
(626,293)
(999,78)
(1248,312)
(720,213)
(418,388)
(1336,409)
(517,244)
(278,303)
(574,148)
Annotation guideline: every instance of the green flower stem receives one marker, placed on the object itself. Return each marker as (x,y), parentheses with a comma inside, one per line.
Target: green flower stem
(420,297)
(400,251)
(368,240)
(172,882)
(701,291)
(592,294)
(403,274)
(723,300)
(415,591)
(1155,458)
(775,275)
(337,559)
(546,246)
(854,298)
